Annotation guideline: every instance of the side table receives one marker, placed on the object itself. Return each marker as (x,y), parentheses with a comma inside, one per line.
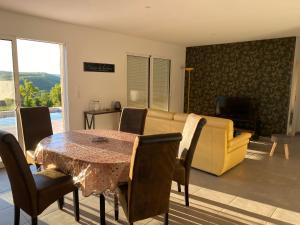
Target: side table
(281,139)
(90,122)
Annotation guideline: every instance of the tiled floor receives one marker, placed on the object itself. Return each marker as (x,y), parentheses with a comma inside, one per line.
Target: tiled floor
(261,190)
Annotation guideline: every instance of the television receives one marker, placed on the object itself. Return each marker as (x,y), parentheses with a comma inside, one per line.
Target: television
(234,107)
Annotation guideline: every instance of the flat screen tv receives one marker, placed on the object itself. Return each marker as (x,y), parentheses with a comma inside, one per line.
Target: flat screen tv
(234,107)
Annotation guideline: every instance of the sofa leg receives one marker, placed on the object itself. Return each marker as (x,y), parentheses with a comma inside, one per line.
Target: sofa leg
(179,187)
(186,194)
(17,215)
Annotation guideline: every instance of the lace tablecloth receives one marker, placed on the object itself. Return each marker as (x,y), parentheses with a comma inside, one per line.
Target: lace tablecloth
(96,164)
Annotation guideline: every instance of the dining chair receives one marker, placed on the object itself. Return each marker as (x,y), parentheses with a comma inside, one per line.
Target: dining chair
(190,136)
(147,192)
(36,125)
(33,192)
(133,120)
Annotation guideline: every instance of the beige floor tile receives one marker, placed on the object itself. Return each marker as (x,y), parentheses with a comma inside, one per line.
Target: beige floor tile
(214,196)
(286,216)
(241,218)
(253,206)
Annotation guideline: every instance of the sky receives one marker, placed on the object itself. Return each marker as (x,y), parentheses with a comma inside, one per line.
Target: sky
(33,56)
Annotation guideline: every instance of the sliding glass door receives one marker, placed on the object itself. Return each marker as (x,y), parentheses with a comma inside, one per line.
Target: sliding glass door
(30,75)
(39,66)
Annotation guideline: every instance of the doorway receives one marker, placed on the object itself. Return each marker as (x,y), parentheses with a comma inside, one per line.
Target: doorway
(30,76)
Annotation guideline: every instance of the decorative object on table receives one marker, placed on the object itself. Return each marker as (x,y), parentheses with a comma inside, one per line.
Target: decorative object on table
(89,116)
(99,139)
(117,105)
(189,70)
(281,139)
(94,105)
(98,67)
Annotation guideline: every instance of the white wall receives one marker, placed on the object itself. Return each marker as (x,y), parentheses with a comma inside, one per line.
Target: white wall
(94,45)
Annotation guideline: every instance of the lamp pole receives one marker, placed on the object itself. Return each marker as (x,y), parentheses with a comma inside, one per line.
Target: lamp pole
(189,70)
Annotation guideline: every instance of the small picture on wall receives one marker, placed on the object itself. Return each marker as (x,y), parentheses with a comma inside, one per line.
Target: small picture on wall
(98,67)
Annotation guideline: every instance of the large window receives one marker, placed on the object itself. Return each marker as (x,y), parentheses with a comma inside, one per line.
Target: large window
(148,82)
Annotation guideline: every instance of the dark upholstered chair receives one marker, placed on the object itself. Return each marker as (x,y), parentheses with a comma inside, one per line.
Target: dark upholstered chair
(36,125)
(133,120)
(190,136)
(147,192)
(33,193)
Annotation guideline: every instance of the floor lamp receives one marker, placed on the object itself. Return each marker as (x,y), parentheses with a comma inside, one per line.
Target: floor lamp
(189,70)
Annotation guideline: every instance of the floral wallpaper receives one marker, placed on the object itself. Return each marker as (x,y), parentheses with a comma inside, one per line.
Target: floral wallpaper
(258,69)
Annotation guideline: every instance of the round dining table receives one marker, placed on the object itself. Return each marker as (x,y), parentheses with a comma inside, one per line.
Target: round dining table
(97,159)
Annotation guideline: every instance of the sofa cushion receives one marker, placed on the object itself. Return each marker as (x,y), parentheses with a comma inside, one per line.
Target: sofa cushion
(160,114)
(180,117)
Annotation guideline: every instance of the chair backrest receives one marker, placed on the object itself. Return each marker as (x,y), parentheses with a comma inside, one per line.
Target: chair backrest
(190,136)
(36,125)
(133,120)
(21,179)
(150,177)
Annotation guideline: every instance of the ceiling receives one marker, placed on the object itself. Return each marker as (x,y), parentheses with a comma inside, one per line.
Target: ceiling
(183,22)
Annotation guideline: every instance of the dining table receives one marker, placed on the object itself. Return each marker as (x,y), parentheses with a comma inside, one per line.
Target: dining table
(98,160)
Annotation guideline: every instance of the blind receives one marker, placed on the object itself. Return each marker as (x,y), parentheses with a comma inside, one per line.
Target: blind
(137,81)
(160,87)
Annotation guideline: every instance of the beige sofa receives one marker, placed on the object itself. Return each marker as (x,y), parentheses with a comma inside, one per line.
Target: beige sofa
(217,150)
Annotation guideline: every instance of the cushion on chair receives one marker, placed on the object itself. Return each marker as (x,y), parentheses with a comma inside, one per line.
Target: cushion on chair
(51,185)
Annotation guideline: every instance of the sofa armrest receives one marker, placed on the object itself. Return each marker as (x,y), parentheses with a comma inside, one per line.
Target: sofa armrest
(239,141)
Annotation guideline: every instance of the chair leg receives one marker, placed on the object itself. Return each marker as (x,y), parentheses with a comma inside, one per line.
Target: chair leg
(179,187)
(34,221)
(186,194)
(116,201)
(166,219)
(60,203)
(76,205)
(102,209)
(17,215)
(38,167)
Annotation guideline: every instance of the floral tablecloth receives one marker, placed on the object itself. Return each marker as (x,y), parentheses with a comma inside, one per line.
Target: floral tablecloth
(97,164)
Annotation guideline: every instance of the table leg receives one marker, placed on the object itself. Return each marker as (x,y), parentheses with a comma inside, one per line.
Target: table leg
(116,203)
(286,151)
(273,148)
(102,209)
(93,119)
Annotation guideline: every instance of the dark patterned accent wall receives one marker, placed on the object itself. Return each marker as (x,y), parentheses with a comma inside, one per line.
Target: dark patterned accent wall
(261,70)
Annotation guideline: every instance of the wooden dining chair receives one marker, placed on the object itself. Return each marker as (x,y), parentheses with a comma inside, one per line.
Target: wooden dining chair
(190,136)
(36,125)
(147,192)
(33,193)
(133,120)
